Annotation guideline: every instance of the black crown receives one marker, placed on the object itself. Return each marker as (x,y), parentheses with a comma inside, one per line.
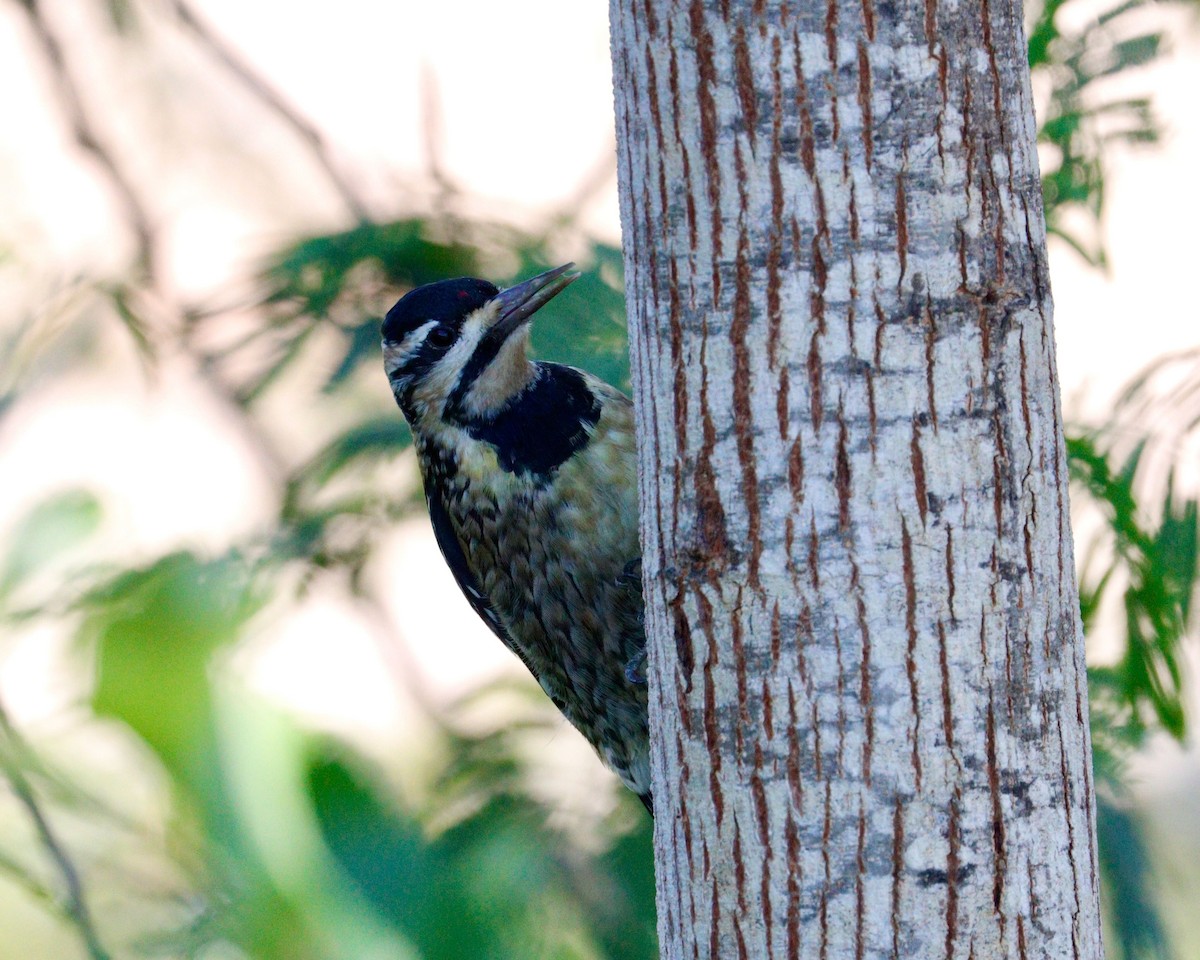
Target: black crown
(447,301)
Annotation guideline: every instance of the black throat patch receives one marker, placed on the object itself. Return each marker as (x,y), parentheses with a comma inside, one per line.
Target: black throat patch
(544,425)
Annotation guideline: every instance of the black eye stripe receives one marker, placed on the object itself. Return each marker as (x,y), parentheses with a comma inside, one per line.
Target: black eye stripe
(428,353)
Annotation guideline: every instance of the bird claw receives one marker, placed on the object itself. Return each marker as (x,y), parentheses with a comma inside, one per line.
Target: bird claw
(632,573)
(635,669)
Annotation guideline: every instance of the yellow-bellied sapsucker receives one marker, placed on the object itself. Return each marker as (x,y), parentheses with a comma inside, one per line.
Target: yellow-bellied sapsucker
(530,477)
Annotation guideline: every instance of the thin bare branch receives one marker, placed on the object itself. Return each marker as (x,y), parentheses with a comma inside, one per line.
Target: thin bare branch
(76,905)
(66,89)
(602,173)
(433,140)
(18,874)
(266,94)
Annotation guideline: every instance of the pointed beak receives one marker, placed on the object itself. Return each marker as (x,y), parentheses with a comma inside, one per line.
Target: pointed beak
(517,304)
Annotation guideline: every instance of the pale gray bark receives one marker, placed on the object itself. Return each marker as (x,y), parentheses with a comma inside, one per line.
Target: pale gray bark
(868,696)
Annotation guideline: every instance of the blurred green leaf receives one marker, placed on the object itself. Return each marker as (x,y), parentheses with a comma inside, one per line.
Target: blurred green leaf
(409,882)
(1134,52)
(585,327)
(376,438)
(121,15)
(53,527)
(361,346)
(287,351)
(1082,117)
(1126,862)
(1044,32)
(312,273)
(509,866)
(623,907)
(485,885)
(1158,566)
(155,630)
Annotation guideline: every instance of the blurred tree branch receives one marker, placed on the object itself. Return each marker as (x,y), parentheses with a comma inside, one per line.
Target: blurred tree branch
(76,905)
(86,136)
(253,82)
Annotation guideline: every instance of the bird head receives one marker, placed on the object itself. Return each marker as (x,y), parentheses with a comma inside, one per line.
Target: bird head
(457,349)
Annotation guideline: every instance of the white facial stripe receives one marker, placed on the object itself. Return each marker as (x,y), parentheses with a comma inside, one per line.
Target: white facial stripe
(508,375)
(396,355)
(438,383)
(429,388)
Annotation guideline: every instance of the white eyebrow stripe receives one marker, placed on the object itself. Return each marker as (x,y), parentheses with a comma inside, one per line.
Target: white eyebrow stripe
(399,354)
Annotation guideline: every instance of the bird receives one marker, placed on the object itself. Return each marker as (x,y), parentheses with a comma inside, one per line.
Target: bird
(530,477)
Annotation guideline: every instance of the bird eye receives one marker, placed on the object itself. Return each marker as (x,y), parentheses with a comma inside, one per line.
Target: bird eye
(442,335)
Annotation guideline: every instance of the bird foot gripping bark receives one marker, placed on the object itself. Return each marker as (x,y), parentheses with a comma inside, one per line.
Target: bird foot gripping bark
(635,669)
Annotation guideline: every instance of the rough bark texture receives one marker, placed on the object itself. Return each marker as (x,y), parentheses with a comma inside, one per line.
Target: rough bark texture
(868,694)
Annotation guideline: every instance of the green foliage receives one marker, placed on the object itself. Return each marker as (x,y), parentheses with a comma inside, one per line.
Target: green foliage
(1158,570)
(497,884)
(379,437)
(1140,572)
(50,529)
(1080,119)
(313,274)
(423,888)
(588,328)
(1125,862)
(154,631)
(347,280)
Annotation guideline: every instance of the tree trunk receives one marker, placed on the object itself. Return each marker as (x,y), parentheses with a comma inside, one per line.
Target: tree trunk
(868,695)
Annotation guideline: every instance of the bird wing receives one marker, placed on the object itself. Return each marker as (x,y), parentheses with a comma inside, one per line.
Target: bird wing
(456,560)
